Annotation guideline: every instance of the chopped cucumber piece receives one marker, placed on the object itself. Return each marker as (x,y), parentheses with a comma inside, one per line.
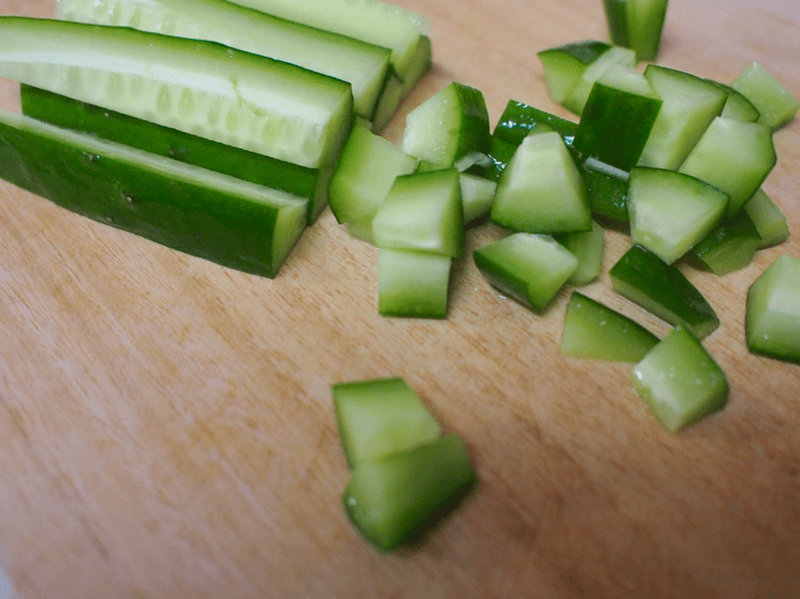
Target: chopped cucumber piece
(393,499)
(500,154)
(737,107)
(595,331)
(379,417)
(587,247)
(637,24)
(771,223)
(311,183)
(730,246)
(564,66)
(670,212)
(364,66)
(680,382)
(663,290)
(776,105)
(529,268)
(477,196)
(388,103)
(541,189)
(689,105)
(735,157)
(365,173)
(607,188)
(618,118)
(616,55)
(449,128)
(413,284)
(772,321)
(232,222)
(422,212)
(519,120)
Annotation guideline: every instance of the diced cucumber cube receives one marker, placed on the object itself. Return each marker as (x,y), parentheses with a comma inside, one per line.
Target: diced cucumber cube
(680,382)
(670,212)
(564,65)
(541,189)
(587,247)
(776,105)
(637,24)
(772,322)
(477,196)
(413,284)
(616,55)
(730,246)
(595,331)
(771,223)
(607,187)
(378,417)
(518,120)
(392,499)
(737,107)
(529,268)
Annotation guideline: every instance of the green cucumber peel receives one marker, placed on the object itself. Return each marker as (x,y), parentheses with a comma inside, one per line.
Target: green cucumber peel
(730,246)
(770,221)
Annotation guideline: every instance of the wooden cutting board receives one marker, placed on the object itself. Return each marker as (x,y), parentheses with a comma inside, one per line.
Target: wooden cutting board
(166,427)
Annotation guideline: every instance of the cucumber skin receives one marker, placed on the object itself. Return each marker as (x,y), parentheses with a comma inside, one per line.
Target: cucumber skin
(730,246)
(188,218)
(518,120)
(256,168)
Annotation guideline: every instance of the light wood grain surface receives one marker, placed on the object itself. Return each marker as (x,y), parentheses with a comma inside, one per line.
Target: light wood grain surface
(166,427)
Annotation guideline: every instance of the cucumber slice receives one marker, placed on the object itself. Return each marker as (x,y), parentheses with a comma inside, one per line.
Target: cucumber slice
(737,107)
(772,321)
(379,417)
(364,66)
(637,24)
(365,173)
(680,382)
(393,499)
(564,66)
(733,156)
(776,105)
(618,118)
(311,183)
(730,246)
(477,196)
(541,189)
(587,247)
(413,284)
(232,97)
(670,212)
(449,127)
(422,212)
(771,223)
(689,105)
(520,120)
(663,290)
(616,55)
(595,331)
(529,268)
(607,188)
(234,223)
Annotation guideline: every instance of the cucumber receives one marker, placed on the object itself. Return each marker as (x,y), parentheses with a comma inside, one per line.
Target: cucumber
(587,247)
(670,212)
(449,129)
(637,24)
(772,317)
(541,189)
(405,32)
(770,222)
(529,268)
(618,117)
(364,66)
(595,331)
(663,290)
(616,55)
(729,246)
(413,284)
(310,183)
(378,417)
(564,65)
(234,223)
(422,212)
(607,188)
(689,105)
(680,382)
(774,102)
(477,196)
(737,107)
(232,97)
(393,499)
(520,120)
(735,157)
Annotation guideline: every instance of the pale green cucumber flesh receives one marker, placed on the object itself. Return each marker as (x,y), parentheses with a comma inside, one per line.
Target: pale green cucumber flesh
(232,222)
(413,284)
(564,65)
(477,196)
(378,417)
(199,87)
(595,331)
(393,500)
(616,55)
(670,212)
(680,382)
(772,321)
(737,107)
(773,228)
(772,100)
(588,247)
(645,26)
(729,246)
(663,290)
(364,66)
(528,268)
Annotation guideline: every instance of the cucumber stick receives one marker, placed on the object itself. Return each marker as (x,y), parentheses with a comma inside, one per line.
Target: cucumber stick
(200,212)
(364,66)
(232,97)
